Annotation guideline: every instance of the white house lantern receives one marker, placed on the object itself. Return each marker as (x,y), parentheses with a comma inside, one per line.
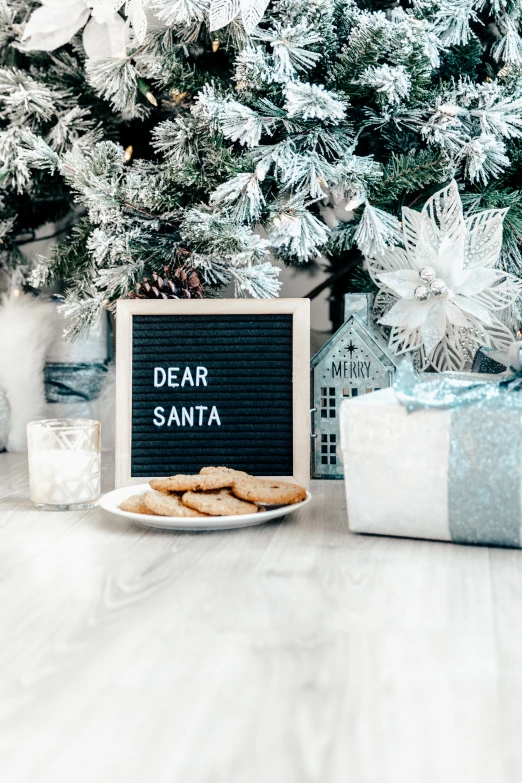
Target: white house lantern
(356,360)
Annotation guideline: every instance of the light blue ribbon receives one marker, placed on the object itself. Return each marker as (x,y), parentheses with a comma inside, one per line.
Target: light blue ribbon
(78,382)
(454,390)
(485,456)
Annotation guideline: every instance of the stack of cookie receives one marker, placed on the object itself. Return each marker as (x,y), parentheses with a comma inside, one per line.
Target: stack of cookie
(212,492)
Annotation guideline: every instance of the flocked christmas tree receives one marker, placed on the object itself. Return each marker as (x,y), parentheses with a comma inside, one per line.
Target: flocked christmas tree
(296,131)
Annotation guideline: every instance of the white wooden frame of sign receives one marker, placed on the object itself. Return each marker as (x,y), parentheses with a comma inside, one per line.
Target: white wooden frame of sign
(299,308)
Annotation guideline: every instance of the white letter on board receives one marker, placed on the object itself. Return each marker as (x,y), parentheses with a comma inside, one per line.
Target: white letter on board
(213,415)
(173,417)
(201,375)
(158,414)
(158,381)
(172,375)
(187,377)
(186,417)
(201,408)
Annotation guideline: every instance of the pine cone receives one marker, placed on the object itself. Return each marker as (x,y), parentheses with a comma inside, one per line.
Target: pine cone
(178,283)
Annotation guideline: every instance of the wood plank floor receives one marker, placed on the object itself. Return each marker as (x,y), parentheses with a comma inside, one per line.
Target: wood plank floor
(294,652)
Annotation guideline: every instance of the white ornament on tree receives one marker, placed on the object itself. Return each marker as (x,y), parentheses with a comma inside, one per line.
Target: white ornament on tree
(444,282)
(55,22)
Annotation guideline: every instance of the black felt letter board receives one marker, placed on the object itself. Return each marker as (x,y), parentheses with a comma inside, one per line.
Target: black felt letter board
(248,359)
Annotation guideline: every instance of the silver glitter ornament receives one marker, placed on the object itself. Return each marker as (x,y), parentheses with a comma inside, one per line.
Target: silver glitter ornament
(421,293)
(438,287)
(5,419)
(427,274)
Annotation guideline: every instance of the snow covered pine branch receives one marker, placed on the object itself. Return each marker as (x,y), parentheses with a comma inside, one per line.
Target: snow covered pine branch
(285,130)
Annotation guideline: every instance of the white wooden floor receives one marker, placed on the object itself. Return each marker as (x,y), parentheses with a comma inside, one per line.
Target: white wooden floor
(294,652)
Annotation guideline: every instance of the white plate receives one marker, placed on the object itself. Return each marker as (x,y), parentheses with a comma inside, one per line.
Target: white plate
(111,502)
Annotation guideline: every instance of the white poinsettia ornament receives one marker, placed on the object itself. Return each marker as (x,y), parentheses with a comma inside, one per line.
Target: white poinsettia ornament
(55,22)
(445,283)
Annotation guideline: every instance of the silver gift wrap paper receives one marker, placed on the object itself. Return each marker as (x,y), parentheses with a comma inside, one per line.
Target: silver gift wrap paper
(78,382)
(458,447)
(484,474)
(484,470)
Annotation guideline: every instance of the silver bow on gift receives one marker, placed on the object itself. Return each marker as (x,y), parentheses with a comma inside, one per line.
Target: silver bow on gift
(454,390)
(485,446)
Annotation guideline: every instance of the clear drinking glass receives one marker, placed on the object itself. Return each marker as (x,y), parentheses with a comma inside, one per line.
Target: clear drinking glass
(64,463)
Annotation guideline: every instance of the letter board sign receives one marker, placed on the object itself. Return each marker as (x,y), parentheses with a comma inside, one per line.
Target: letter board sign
(212,382)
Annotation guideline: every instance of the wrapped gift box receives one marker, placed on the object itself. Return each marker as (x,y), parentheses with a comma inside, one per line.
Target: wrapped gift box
(450,471)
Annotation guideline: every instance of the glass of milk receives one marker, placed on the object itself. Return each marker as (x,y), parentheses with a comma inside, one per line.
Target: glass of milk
(64,463)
